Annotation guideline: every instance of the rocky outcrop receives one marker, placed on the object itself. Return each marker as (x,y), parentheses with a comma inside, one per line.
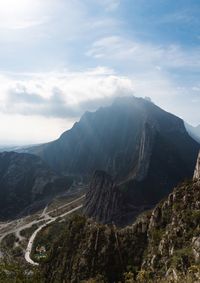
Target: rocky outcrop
(25,180)
(103,201)
(88,250)
(173,234)
(197,169)
(162,245)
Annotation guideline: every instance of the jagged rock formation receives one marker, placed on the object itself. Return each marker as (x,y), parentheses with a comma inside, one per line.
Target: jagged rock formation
(86,249)
(197,169)
(24,181)
(103,201)
(161,246)
(174,234)
(146,150)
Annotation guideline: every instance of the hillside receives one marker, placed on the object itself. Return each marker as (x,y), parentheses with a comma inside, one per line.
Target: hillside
(26,182)
(161,246)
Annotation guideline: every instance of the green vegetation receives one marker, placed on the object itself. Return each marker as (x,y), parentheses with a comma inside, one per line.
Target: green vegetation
(158,248)
(11,272)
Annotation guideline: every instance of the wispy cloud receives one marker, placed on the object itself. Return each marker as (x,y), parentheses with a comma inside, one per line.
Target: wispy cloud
(109,5)
(23,24)
(183,16)
(144,53)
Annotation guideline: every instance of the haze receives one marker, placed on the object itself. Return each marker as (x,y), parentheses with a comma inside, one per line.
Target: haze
(60,58)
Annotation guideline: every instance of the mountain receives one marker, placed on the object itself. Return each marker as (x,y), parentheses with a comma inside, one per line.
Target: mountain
(15,148)
(145,149)
(26,181)
(194,132)
(113,138)
(163,245)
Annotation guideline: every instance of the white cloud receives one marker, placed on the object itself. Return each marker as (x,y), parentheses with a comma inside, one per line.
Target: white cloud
(37,107)
(75,87)
(43,105)
(21,14)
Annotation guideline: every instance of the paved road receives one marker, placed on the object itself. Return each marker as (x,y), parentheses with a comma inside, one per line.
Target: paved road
(32,238)
(17,226)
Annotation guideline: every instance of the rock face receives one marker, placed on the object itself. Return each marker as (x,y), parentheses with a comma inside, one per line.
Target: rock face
(24,181)
(197,169)
(173,234)
(163,245)
(146,150)
(89,250)
(103,201)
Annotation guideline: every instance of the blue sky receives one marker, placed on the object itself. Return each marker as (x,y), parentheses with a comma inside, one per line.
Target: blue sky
(60,58)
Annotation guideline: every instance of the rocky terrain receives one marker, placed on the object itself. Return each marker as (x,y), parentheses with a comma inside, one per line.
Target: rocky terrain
(163,245)
(103,200)
(146,150)
(26,182)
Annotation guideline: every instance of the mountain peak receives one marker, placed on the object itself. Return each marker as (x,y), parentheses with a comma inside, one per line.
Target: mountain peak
(135,142)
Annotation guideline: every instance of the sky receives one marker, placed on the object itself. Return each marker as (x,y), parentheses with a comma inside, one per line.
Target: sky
(60,58)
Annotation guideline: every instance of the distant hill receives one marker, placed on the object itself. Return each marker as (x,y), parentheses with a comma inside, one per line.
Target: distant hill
(26,180)
(145,149)
(194,132)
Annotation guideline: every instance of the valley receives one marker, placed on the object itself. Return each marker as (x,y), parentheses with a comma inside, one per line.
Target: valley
(24,230)
(105,203)
(99,141)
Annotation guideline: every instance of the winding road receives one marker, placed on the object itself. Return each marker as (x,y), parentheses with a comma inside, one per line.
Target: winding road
(46,216)
(32,238)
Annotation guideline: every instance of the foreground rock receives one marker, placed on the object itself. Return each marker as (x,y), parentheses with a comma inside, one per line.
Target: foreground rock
(163,245)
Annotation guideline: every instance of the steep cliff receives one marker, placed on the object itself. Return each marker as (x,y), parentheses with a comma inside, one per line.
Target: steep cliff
(85,249)
(174,234)
(26,180)
(146,150)
(103,201)
(196,176)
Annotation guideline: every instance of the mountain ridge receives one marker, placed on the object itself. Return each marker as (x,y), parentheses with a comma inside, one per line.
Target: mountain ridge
(24,181)
(145,149)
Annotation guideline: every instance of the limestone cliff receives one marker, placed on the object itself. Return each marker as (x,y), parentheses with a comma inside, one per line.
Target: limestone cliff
(197,169)
(103,201)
